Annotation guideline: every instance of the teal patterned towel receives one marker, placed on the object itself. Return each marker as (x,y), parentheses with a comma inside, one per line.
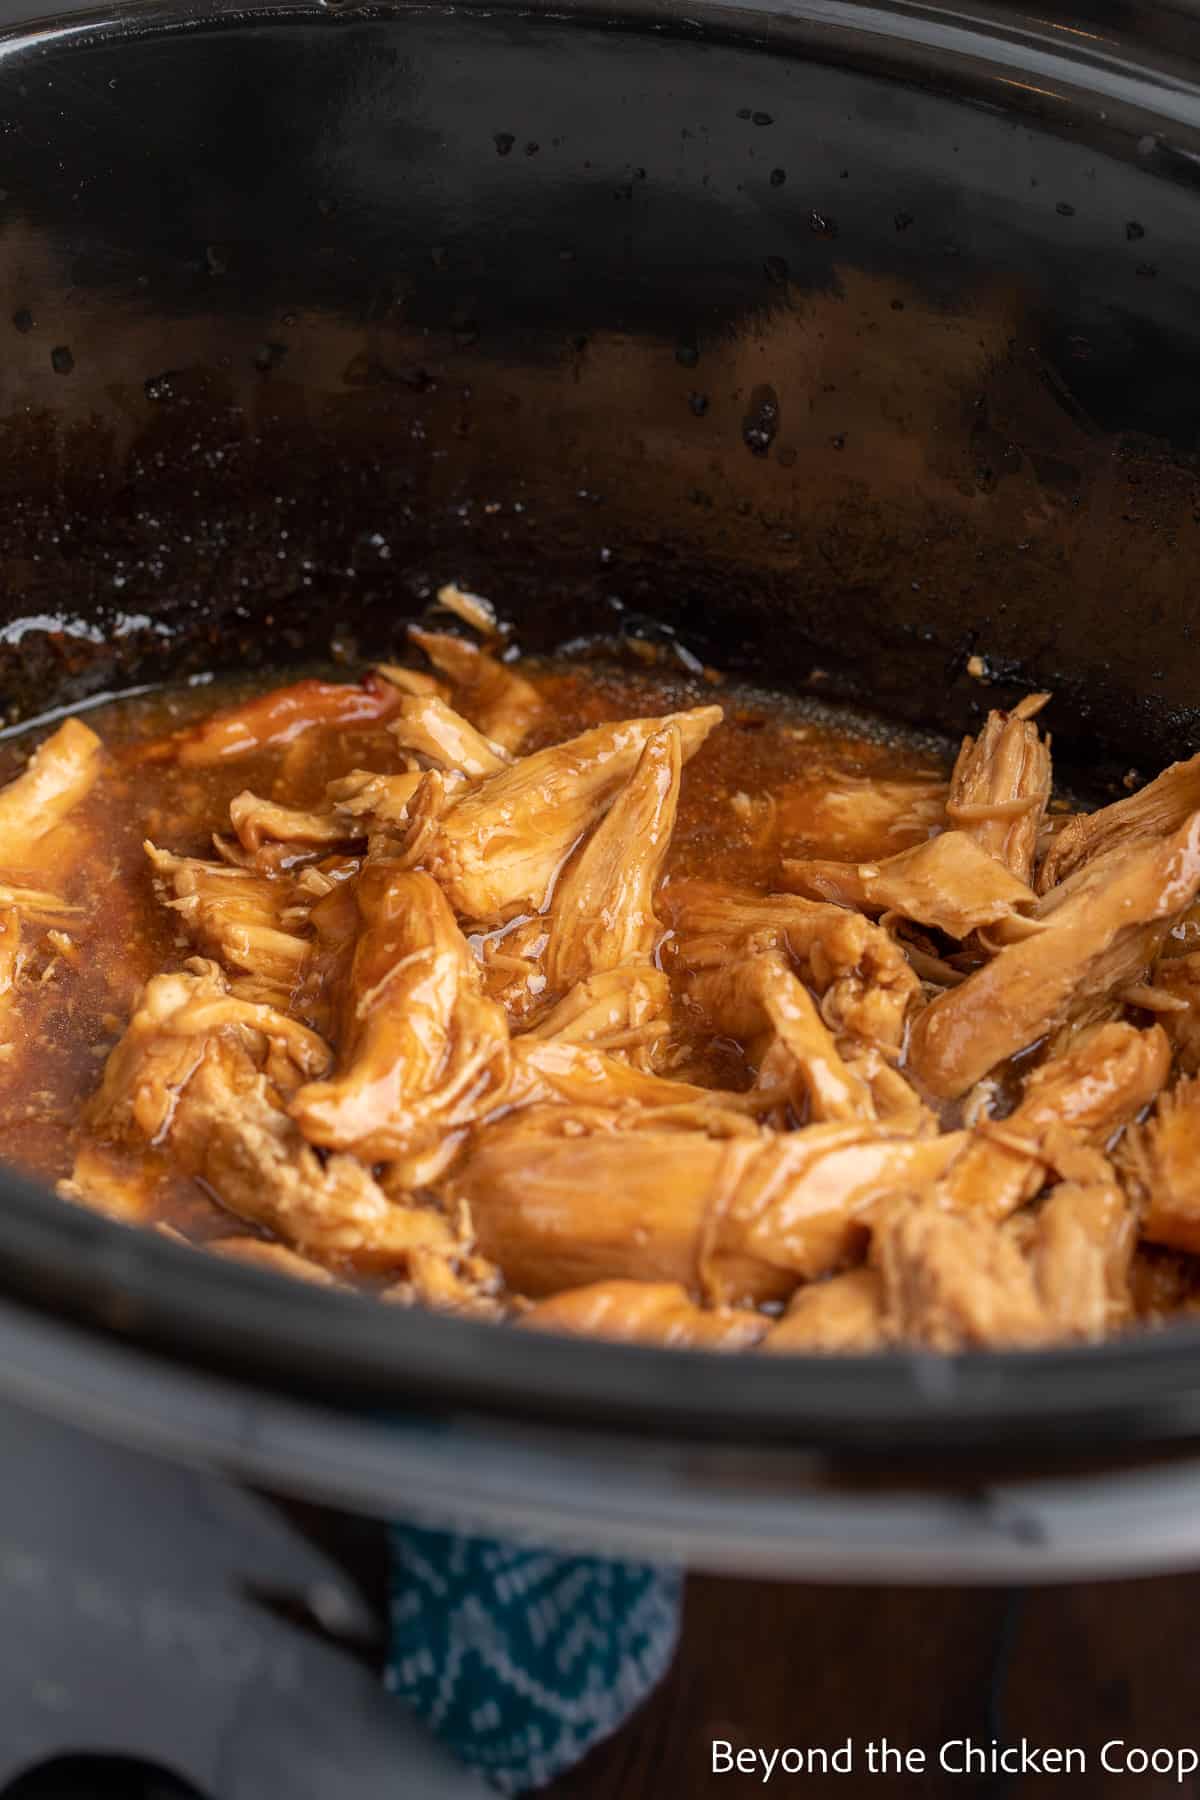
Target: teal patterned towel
(521,1660)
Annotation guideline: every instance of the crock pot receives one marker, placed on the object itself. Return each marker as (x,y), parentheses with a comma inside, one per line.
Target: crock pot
(844,345)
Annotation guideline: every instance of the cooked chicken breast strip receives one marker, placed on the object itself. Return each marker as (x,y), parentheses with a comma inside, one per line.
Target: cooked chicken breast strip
(950,883)
(603,911)
(760,995)
(1001,784)
(420,1044)
(842,1315)
(647,1312)
(499,848)
(61,772)
(1162,806)
(1099,1084)
(863,977)
(561,1199)
(1101,931)
(499,702)
(432,731)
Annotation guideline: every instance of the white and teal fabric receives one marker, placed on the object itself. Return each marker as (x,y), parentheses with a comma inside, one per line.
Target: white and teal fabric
(520,1660)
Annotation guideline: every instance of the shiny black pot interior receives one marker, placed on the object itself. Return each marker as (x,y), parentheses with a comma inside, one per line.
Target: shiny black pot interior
(826,351)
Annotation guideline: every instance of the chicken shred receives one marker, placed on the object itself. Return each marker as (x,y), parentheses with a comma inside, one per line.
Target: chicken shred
(843,1314)
(499,702)
(603,909)
(1100,932)
(569,1028)
(950,882)
(1001,784)
(648,1312)
(1155,811)
(953,1281)
(499,847)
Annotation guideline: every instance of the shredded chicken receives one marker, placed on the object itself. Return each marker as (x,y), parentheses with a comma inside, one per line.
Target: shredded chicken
(951,883)
(60,773)
(500,846)
(954,1282)
(254,924)
(1082,1097)
(499,702)
(178,1021)
(648,1312)
(843,1314)
(866,984)
(421,1043)
(760,996)
(440,738)
(1153,812)
(603,911)
(562,1197)
(793,1046)
(620,1009)
(1001,784)
(1081,1257)
(256,821)
(1098,933)
(1160,1163)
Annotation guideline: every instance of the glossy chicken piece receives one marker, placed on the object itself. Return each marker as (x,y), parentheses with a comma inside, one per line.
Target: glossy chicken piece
(759,997)
(1154,811)
(585,1075)
(1102,930)
(603,911)
(1000,786)
(950,883)
(471,608)
(440,738)
(452,1280)
(1084,1242)
(499,702)
(622,1009)
(865,983)
(257,822)
(561,1198)
(60,773)
(420,1045)
(412,681)
(954,1281)
(1099,1084)
(277,719)
(175,1021)
(370,802)
(1160,1163)
(233,1134)
(252,923)
(499,848)
(647,1312)
(842,1315)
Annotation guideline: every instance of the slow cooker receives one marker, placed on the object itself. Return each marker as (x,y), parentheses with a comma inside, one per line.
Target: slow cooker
(841,344)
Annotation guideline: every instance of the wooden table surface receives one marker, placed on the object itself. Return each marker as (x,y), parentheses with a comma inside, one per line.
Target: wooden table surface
(775,1665)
